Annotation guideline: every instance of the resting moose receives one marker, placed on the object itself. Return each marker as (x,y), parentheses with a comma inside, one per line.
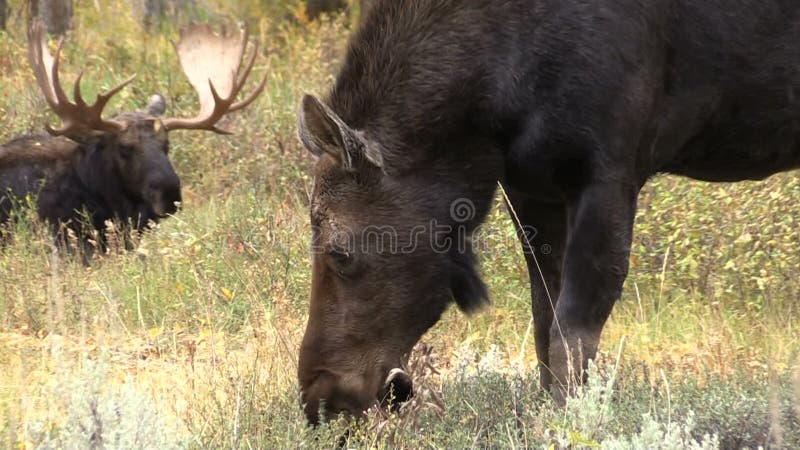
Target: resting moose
(117,169)
(572,106)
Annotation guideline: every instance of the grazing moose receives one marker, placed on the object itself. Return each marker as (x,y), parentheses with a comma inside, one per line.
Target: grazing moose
(117,169)
(572,106)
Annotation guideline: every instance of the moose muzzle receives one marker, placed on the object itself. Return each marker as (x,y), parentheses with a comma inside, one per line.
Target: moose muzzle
(335,395)
(397,389)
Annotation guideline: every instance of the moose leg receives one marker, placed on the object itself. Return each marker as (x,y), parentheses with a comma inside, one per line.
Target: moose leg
(541,227)
(595,266)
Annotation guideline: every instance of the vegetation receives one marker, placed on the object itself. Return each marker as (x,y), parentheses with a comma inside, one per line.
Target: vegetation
(191,340)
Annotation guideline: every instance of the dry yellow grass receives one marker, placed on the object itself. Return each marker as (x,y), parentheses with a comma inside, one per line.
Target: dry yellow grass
(204,320)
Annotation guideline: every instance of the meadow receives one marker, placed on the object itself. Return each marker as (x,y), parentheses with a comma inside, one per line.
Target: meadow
(191,339)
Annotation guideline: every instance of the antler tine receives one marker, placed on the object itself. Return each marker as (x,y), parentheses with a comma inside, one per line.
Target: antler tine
(79,119)
(76,91)
(250,98)
(242,49)
(61,97)
(36,45)
(217,85)
(221,107)
(102,99)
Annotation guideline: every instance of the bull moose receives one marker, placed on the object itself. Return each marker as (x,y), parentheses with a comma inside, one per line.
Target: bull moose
(571,106)
(119,168)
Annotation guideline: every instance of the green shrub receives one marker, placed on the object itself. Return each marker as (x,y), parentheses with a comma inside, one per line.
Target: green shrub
(102,415)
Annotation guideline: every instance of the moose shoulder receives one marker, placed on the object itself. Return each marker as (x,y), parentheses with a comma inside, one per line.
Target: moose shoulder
(100,169)
(571,105)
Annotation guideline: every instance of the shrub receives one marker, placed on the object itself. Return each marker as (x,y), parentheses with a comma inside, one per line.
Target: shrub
(101,415)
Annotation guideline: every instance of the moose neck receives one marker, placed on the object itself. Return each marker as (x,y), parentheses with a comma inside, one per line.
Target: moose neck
(423,100)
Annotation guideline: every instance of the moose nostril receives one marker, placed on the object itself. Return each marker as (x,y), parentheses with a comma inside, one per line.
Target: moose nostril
(165,198)
(173,194)
(317,392)
(311,410)
(399,387)
(174,200)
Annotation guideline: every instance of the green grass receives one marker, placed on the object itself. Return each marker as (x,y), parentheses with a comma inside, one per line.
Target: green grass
(195,333)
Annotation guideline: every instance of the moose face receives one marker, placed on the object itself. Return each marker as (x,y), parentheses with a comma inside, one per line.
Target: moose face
(373,294)
(380,275)
(139,155)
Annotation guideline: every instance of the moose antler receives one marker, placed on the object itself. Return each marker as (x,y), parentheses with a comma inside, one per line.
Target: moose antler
(78,118)
(212,63)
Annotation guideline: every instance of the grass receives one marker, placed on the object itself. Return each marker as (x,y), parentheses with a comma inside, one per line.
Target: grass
(191,340)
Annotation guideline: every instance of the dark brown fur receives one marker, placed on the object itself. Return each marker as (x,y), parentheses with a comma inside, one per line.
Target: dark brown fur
(27,150)
(572,105)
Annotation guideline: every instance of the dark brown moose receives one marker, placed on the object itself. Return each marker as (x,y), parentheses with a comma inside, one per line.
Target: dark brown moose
(117,169)
(572,106)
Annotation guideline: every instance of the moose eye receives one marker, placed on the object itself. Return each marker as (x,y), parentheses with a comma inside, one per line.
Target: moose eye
(342,262)
(341,257)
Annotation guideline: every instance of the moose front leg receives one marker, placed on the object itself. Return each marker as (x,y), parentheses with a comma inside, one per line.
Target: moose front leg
(541,228)
(595,266)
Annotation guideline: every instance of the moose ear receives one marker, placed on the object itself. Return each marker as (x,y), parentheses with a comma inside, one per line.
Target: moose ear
(157,105)
(322,131)
(468,289)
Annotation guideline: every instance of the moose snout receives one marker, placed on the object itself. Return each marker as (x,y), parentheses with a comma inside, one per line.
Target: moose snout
(332,395)
(164,196)
(397,389)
